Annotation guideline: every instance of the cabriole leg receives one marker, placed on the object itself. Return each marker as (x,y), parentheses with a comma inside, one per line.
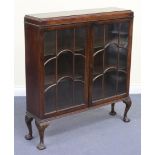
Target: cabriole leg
(28,121)
(41,128)
(112,109)
(128,103)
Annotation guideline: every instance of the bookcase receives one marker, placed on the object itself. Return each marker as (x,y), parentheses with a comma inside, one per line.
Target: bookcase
(76,60)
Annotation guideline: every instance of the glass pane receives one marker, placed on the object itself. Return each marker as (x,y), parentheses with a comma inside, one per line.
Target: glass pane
(110,78)
(69,59)
(65,39)
(98,63)
(98,36)
(111,33)
(50,71)
(65,64)
(109,47)
(97,88)
(79,67)
(79,92)
(123,42)
(122,82)
(110,57)
(124,27)
(49,44)
(65,93)
(50,99)
(123,58)
(80,40)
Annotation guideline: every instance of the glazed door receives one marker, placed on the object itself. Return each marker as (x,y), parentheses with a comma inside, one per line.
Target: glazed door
(65,69)
(109,57)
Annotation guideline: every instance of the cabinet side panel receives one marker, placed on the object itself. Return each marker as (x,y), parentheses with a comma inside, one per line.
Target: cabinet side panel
(32,70)
(129,54)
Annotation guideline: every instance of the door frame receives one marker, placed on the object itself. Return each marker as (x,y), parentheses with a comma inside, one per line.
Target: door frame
(117,96)
(86,74)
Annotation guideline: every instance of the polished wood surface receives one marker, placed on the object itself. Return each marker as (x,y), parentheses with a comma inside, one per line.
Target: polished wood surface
(78,16)
(62,51)
(75,12)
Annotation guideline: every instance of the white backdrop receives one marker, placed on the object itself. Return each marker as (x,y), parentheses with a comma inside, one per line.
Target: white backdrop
(23,7)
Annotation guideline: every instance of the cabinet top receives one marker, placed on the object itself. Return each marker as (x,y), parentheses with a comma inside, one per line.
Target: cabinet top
(75,12)
(88,15)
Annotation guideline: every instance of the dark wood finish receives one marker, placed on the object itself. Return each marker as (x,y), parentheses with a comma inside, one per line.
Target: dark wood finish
(86,17)
(129,53)
(32,60)
(113,112)
(41,128)
(128,103)
(60,56)
(28,120)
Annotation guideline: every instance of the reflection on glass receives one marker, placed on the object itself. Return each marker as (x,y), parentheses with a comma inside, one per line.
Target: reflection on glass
(122,82)
(50,71)
(80,38)
(65,39)
(49,43)
(97,49)
(50,99)
(111,33)
(105,56)
(64,68)
(124,26)
(110,57)
(123,42)
(110,78)
(98,63)
(78,92)
(110,51)
(122,64)
(98,36)
(65,64)
(122,58)
(97,88)
(79,67)
(80,51)
(65,93)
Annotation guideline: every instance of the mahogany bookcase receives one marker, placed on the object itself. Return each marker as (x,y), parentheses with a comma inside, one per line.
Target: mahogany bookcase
(76,60)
